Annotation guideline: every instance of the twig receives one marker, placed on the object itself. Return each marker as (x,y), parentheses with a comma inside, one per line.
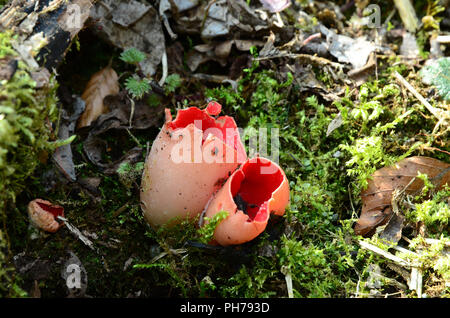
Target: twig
(381,295)
(131,112)
(386,22)
(172,35)
(351,200)
(120,210)
(435,111)
(404,250)
(147,148)
(406,239)
(390,281)
(416,277)
(312,58)
(288,277)
(279,23)
(444,39)
(434,241)
(178,251)
(77,233)
(293,157)
(405,274)
(407,14)
(370,64)
(164,69)
(437,149)
(357,286)
(219,79)
(385,254)
(134,138)
(312,37)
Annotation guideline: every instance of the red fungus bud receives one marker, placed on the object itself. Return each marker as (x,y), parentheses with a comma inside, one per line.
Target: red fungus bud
(258,188)
(213,108)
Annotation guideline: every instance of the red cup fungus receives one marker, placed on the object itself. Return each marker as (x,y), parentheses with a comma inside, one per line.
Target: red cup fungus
(190,159)
(258,188)
(213,108)
(43,215)
(197,164)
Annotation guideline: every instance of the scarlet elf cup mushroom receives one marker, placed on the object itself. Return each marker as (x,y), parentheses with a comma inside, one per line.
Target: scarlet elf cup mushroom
(190,159)
(258,188)
(198,164)
(43,215)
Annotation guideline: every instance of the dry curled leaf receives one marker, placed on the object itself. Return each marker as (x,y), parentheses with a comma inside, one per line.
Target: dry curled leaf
(103,83)
(124,116)
(377,198)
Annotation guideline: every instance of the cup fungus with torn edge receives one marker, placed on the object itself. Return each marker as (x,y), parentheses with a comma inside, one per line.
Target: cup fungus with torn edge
(190,159)
(43,215)
(258,188)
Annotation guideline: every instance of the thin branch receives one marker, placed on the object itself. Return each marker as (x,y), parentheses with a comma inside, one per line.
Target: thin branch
(383,253)
(315,59)
(435,111)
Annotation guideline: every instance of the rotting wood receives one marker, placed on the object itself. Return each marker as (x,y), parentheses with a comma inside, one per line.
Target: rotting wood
(45,29)
(416,281)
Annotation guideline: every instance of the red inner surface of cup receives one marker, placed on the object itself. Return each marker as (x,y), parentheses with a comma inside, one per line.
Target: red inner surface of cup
(54,210)
(255,187)
(223,127)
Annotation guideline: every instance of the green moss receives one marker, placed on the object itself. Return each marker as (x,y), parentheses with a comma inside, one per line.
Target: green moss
(326,175)
(206,232)
(25,131)
(129,173)
(433,212)
(313,242)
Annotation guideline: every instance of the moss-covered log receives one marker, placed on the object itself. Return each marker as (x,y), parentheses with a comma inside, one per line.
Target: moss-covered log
(34,38)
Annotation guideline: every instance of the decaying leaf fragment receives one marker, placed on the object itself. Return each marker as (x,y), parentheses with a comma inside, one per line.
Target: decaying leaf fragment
(132,23)
(103,83)
(377,198)
(122,117)
(355,51)
(275,5)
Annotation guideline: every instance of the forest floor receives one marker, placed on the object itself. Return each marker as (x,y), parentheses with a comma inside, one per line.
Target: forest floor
(333,79)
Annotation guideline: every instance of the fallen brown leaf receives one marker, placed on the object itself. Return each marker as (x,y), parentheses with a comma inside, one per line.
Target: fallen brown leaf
(123,117)
(103,83)
(377,198)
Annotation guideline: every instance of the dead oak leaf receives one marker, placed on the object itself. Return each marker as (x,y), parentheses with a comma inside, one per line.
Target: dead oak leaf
(377,198)
(103,83)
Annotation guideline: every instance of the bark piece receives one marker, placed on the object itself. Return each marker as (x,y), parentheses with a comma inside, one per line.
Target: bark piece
(45,28)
